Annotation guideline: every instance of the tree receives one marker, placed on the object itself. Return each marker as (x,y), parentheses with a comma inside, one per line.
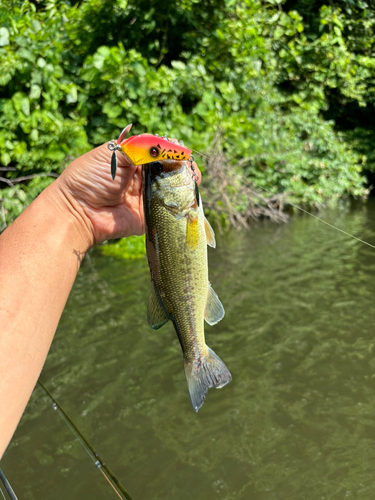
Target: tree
(262,76)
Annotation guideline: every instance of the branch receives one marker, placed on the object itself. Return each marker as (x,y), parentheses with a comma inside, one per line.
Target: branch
(11,182)
(32,176)
(7,169)
(233,194)
(7,181)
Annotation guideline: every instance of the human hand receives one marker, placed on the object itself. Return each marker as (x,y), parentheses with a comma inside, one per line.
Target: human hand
(104,208)
(107,208)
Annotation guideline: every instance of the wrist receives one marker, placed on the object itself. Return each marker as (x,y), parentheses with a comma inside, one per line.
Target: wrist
(69,213)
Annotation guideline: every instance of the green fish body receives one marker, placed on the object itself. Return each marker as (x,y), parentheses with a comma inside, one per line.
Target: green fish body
(177,234)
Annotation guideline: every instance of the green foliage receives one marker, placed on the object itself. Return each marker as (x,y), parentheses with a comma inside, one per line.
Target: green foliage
(324,54)
(37,136)
(332,51)
(132,247)
(290,91)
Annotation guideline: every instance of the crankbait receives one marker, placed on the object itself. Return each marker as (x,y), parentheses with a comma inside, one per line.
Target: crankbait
(145,148)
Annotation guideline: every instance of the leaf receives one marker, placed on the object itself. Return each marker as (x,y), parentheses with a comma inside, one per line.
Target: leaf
(5,159)
(36,25)
(41,62)
(88,74)
(55,153)
(72,96)
(34,134)
(139,69)
(112,110)
(178,65)
(98,61)
(35,92)
(25,106)
(4,37)
(26,54)
(104,51)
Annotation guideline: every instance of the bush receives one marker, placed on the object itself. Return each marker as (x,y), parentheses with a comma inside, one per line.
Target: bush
(264,78)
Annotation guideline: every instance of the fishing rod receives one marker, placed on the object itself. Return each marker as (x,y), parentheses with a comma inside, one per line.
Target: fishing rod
(249,183)
(104,469)
(7,487)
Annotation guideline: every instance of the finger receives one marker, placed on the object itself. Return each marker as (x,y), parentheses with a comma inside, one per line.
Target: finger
(123,160)
(125,168)
(137,181)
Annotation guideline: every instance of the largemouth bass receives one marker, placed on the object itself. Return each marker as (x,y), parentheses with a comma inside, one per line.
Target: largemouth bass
(177,234)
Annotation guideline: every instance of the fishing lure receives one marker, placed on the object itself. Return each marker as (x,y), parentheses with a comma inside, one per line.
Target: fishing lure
(145,148)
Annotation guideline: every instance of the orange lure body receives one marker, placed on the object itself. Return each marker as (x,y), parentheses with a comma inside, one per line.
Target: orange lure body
(146,148)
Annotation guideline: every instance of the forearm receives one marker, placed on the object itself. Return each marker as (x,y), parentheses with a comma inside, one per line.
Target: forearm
(40,254)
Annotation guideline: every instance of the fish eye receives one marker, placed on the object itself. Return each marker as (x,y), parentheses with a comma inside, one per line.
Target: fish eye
(157,166)
(154,152)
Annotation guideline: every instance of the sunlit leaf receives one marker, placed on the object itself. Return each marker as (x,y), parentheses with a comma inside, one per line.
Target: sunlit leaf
(4,37)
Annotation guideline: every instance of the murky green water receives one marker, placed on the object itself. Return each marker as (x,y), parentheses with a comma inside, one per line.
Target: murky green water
(298,420)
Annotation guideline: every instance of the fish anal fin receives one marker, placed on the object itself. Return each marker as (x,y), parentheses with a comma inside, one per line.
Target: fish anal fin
(210,235)
(214,311)
(156,316)
(204,373)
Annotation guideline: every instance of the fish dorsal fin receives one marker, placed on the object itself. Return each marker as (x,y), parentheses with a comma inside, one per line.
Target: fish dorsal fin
(210,235)
(214,311)
(156,316)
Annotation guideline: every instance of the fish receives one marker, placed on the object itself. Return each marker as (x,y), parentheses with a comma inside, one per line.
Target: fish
(177,235)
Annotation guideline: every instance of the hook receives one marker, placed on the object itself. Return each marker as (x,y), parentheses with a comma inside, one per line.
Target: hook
(115,146)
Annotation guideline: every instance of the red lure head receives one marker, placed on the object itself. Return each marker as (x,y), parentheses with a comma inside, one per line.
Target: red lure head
(146,148)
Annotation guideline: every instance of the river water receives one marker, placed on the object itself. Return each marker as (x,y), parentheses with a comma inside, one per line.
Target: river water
(297,421)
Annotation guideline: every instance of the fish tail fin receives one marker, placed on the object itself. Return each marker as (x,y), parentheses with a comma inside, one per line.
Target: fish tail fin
(202,374)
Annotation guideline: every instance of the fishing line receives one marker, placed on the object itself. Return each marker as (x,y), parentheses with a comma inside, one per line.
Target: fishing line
(104,469)
(322,220)
(7,486)
(292,204)
(205,156)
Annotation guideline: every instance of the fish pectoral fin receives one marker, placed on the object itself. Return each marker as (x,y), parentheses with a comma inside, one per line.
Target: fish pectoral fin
(210,235)
(192,232)
(214,311)
(156,316)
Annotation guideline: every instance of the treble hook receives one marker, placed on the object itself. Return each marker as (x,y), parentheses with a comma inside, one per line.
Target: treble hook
(115,146)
